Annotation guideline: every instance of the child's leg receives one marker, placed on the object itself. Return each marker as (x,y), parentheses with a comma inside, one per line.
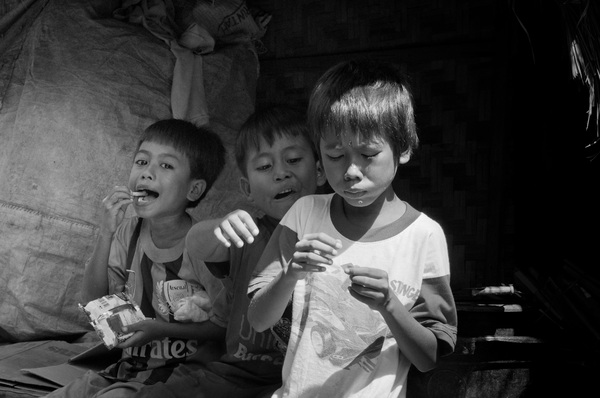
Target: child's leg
(120,389)
(204,383)
(92,385)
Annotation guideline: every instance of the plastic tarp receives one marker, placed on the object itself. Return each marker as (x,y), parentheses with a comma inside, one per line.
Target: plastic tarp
(77,86)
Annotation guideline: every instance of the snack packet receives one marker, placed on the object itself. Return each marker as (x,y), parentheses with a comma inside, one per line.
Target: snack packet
(109,314)
(194,308)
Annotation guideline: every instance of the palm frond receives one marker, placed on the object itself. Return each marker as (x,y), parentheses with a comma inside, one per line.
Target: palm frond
(582,25)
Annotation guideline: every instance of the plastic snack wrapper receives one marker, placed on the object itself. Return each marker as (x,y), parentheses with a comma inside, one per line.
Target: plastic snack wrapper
(109,314)
(186,301)
(193,308)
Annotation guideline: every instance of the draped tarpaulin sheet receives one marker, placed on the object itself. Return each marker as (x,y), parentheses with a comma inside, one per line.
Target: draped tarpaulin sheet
(78,86)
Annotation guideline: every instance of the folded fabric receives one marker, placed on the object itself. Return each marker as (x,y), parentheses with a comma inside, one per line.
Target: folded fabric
(197,39)
(188,98)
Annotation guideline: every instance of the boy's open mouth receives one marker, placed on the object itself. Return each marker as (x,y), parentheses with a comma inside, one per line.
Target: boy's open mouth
(144,195)
(284,194)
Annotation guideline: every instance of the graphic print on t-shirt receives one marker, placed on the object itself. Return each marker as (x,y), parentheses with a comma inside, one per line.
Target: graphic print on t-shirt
(159,352)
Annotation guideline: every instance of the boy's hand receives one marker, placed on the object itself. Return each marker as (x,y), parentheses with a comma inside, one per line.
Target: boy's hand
(114,205)
(312,251)
(369,286)
(144,332)
(236,227)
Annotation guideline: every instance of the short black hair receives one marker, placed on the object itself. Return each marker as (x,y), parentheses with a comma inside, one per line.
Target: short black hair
(270,122)
(201,146)
(368,97)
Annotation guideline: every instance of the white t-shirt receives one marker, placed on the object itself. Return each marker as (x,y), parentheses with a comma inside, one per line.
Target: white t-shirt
(338,346)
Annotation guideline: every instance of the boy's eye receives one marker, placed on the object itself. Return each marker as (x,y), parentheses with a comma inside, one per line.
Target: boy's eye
(334,157)
(263,167)
(294,160)
(166,166)
(370,156)
(141,162)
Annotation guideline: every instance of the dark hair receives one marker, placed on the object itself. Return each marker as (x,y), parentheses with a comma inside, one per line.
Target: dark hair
(201,146)
(368,97)
(269,123)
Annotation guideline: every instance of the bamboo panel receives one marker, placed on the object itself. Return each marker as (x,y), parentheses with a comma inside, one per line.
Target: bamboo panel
(310,27)
(460,173)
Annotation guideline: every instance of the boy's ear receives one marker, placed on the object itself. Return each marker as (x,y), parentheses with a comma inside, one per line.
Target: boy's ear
(404,158)
(245,187)
(321,177)
(197,188)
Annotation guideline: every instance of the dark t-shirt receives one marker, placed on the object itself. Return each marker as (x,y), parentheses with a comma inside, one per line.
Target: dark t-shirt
(250,354)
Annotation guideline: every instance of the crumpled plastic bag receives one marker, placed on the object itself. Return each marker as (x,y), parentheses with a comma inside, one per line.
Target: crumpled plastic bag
(193,308)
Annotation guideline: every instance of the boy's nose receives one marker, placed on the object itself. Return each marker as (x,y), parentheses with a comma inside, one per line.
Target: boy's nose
(281,172)
(352,172)
(147,174)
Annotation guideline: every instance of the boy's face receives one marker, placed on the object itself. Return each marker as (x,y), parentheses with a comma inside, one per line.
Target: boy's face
(164,174)
(280,174)
(359,170)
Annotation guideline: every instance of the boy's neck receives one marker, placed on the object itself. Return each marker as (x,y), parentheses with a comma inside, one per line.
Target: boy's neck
(385,210)
(168,231)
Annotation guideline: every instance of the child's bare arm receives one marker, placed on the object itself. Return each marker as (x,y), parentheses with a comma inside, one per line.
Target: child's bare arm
(151,329)
(209,240)
(311,254)
(269,303)
(236,227)
(95,278)
(416,342)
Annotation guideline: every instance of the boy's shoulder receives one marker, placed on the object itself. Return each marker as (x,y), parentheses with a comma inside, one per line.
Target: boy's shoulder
(307,207)
(422,221)
(128,226)
(200,226)
(314,200)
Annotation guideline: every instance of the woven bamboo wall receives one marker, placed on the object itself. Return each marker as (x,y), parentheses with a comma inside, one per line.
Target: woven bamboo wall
(454,52)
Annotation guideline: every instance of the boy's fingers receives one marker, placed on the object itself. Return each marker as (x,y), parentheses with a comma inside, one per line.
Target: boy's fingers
(230,234)
(120,205)
(317,247)
(363,282)
(321,240)
(311,258)
(119,191)
(250,225)
(222,238)
(132,327)
(306,267)
(242,230)
(368,282)
(238,228)
(116,198)
(324,238)
(318,257)
(131,341)
(356,272)
(371,297)
(313,268)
